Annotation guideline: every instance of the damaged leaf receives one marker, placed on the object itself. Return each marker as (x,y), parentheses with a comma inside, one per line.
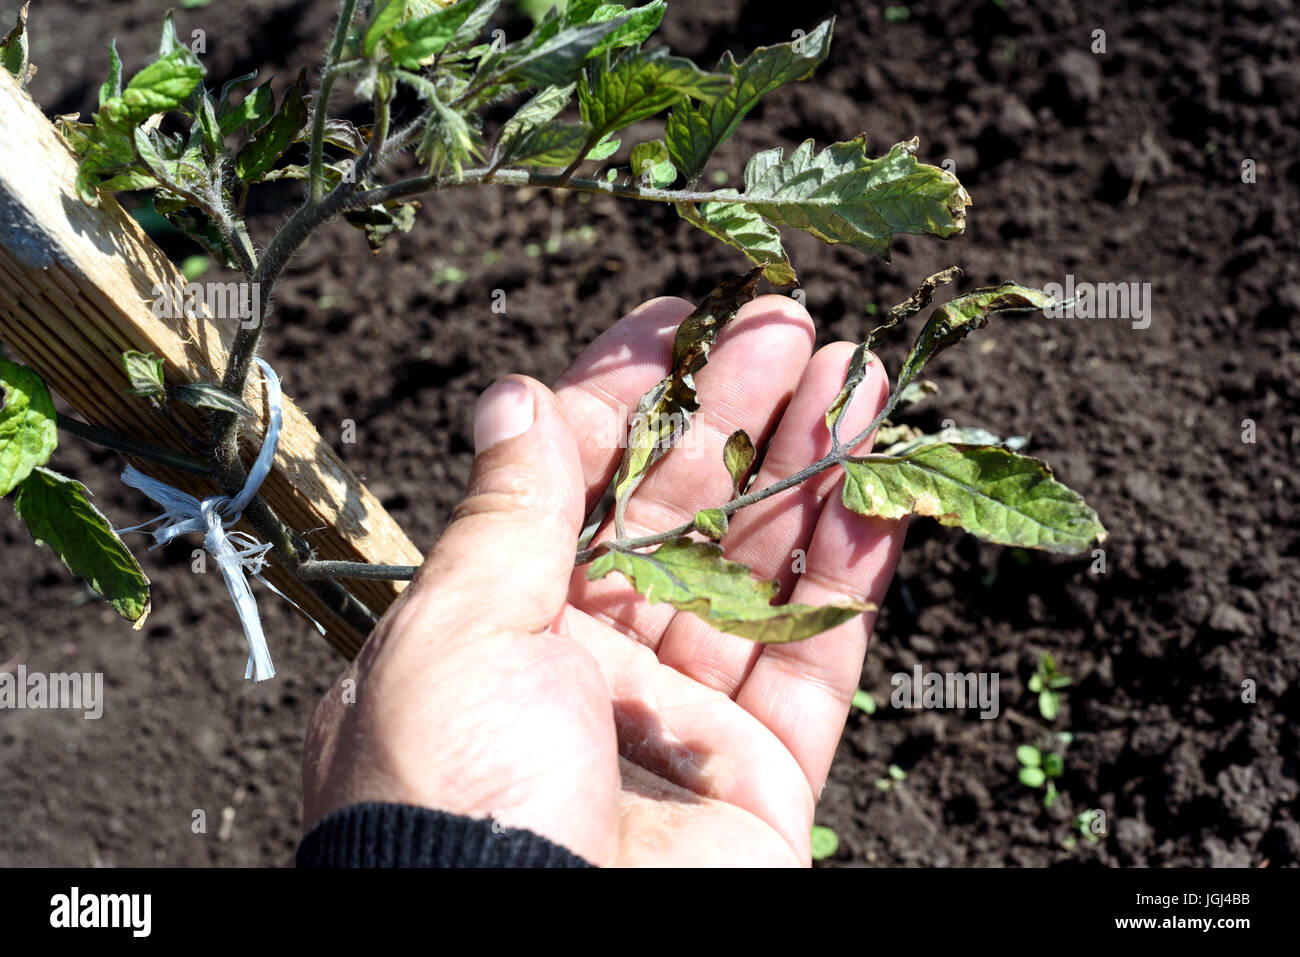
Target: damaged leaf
(663,414)
(738,455)
(695,577)
(989,491)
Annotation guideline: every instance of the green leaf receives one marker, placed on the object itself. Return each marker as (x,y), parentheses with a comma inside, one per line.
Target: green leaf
(695,577)
(663,415)
(638,24)
(205,120)
(989,491)
(480,14)
(639,84)
(144,372)
(711,522)
(13,49)
(205,395)
(557,61)
(650,163)
(112,87)
(864,701)
(169,41)
(275,136)
(254,110)
(1029,756)
(28,424)
(575,11)
(528,137)
(385,19)
(738,455)
(1032,777)
(1049,704)
(897,773)
(693,132)
(823,842)
(607,147)
(57,512)
(841,196)
(416,42)
(161,86)
(1035,683)
(1053,765)
(531,138)
(1059,681)
(739,226)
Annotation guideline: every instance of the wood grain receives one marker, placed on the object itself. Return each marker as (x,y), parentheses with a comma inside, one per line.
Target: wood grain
(77,285)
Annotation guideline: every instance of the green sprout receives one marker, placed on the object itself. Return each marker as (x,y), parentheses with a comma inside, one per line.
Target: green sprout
(824,842)
(1083,824)
(896,776)
(1046,682)
(863,701)
(1038,769)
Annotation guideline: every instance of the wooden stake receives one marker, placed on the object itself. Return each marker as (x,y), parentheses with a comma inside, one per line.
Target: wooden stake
(76,288)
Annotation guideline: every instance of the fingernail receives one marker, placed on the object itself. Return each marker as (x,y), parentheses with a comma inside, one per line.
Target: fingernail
(504,411)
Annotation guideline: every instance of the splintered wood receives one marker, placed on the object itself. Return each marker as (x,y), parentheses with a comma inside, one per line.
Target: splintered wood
(77,286)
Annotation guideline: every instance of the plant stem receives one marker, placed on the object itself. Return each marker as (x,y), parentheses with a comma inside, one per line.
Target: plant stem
(134,447)
(321,104)
(835,456)
(517,177)
(316,570)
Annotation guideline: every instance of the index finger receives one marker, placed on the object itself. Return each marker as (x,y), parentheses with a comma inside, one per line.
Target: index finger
(599,391)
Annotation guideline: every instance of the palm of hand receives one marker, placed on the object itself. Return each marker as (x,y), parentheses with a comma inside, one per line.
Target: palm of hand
(715,748)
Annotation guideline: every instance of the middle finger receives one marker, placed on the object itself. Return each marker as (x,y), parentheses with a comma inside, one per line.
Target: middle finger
(752,372)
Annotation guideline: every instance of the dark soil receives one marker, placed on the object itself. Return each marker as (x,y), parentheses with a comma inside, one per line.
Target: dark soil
(1198,594)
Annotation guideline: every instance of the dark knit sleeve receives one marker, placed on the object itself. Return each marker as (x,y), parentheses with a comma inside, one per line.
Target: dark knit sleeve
(399,835)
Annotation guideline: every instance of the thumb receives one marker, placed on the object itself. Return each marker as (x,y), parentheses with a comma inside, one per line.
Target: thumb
(505,560)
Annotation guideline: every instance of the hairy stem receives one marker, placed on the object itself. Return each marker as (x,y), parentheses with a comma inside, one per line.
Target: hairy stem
(134,447)
(316,570)
(517,177)
(321,104)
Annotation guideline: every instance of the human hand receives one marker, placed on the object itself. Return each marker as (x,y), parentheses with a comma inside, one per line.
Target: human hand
(502,683)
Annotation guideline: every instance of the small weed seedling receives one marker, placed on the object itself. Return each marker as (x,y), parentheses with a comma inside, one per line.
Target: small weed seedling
(1038,770)
(896,776)
(551,109)
(1085,824)
(863,701)
(1046,682)
(825,842)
